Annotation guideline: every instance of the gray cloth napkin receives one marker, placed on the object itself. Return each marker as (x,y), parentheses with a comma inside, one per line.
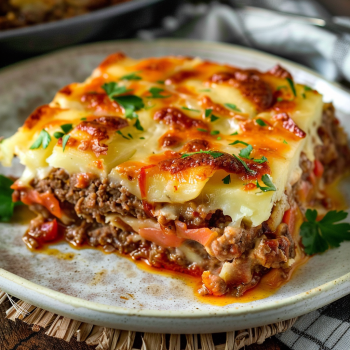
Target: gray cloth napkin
(323,50)
(327,52)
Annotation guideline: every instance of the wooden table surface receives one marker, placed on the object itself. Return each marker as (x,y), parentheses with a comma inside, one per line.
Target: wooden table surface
(19,336)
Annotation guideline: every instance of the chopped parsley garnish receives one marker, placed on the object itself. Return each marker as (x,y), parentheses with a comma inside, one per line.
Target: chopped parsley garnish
(213,118)
(65,139)
(214,132)
(191,109)
(304,95)
(131,76)
(318,236)
(122,135)
(291,84)
(130,114)
(208,112)
(267,181)
(260,122)
(263,159)
(142,138)
(202,130)
(284,141)
(161,82)
(155,92)
(6,203)
(138,125)
(58,134)
(281,87)
(43,139)
(232,106)
(130,102)
(307,88)
(214,154)
(66,128)
(204,90)
(250,171)
(226,180)
(218,138)
(280,99)
(235,133)
(83,118)
(130,136)
(112,89)
(245,152)
(238,141)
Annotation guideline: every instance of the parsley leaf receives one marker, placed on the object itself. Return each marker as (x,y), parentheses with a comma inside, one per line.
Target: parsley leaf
(245,152)
(226,180)
(83,118)
(6,204)
(266,179)
(214,132)
(191,109)
(122,135)
(43,139)
(291,84)
(281,87)
(66,128)
(284,141)
(208,112)
(307,88)
(130,102)
(112,89)
(202,130)
(263,159)
(65,139)
(214,154)
(260,122)
(130,114)
(205,90)
(213,118)
(238,141)
(304,95)
(235,133)
(155,92)
(131,76)
(58,134)
(280,99)
(138,125)
(318,236)
(232,106)
(250,171)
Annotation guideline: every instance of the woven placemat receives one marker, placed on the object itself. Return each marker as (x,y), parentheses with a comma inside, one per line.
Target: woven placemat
(114,339)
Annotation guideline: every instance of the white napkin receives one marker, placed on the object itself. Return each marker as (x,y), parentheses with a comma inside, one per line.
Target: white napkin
(325,51)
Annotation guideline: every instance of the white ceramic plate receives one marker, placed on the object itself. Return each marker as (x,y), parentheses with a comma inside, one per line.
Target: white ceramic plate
(96,288)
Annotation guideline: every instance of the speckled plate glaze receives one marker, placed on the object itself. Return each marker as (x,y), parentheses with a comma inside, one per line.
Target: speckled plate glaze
(93,287)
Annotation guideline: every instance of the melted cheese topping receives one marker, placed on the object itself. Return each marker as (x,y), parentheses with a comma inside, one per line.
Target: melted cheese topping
(198,106)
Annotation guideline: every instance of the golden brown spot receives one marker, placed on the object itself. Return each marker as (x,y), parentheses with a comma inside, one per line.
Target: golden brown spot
(280,72)
(112,59)
(289,124)
(250,84)
(225,162)
(180,76)
(196,146)
(169,140)
(177,120)
(42,112)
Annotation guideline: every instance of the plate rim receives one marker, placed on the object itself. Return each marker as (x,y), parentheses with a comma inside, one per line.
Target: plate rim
(173,314)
